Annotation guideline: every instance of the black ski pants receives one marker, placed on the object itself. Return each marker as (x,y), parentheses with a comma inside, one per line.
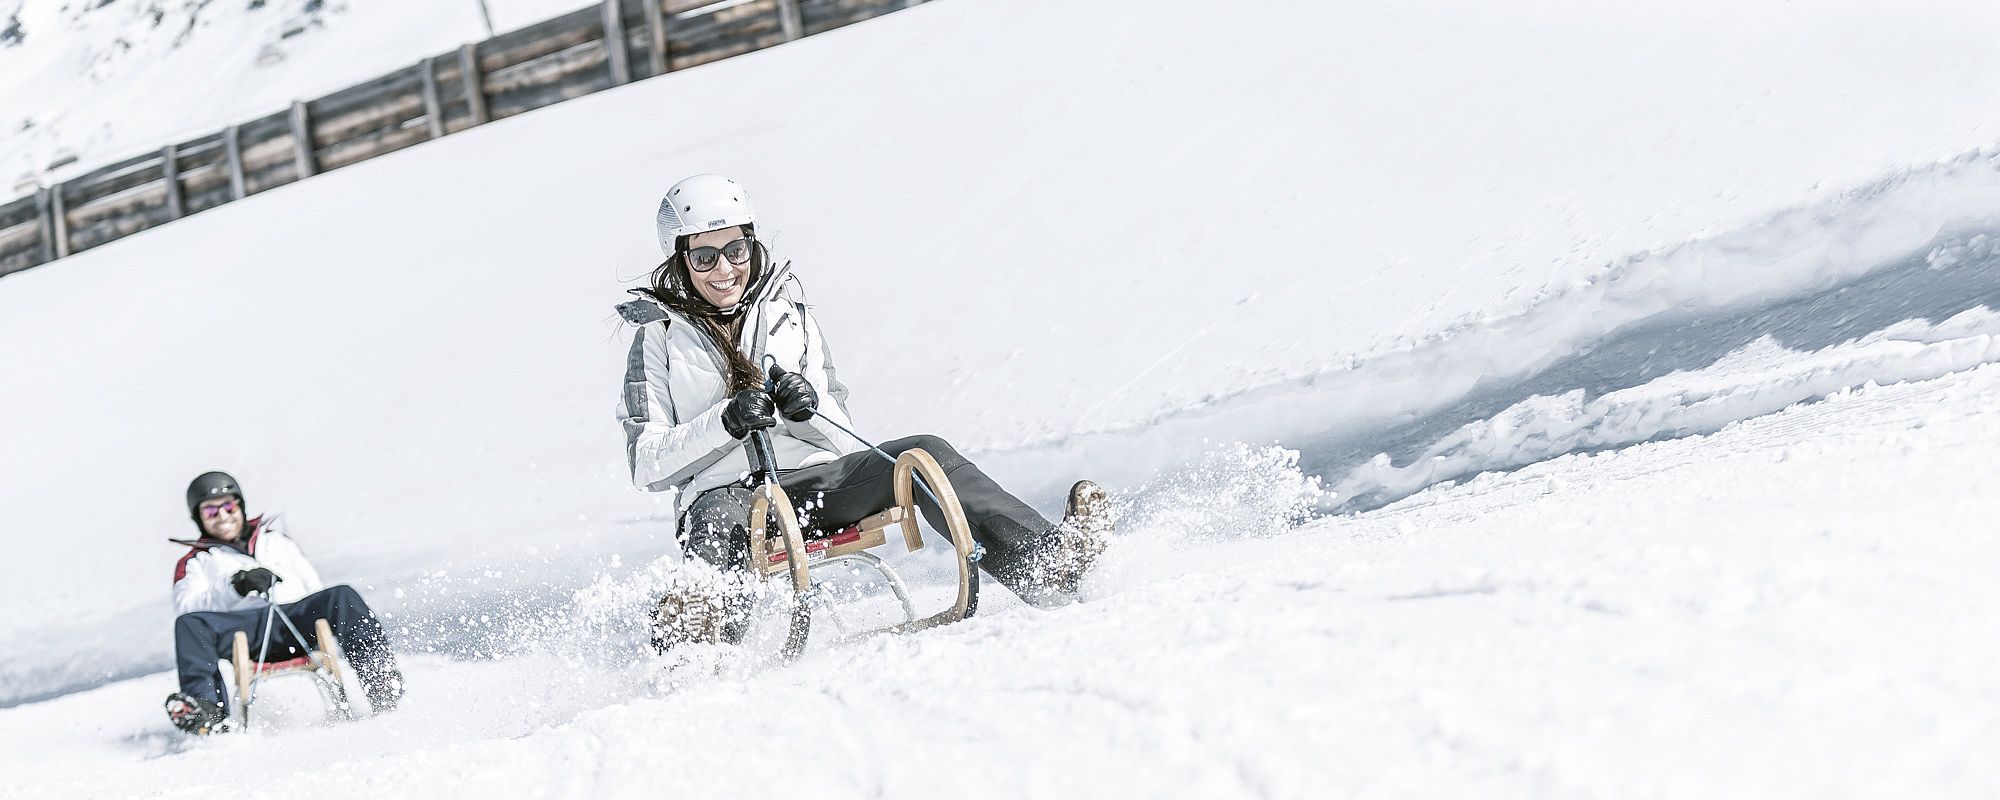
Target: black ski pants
(202,639)
(844,491)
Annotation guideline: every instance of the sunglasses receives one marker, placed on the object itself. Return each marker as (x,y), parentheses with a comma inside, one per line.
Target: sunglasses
(703,259)
(211,512)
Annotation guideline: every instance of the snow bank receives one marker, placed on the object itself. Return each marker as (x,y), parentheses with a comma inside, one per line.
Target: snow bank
(1940,212)
(1758,380)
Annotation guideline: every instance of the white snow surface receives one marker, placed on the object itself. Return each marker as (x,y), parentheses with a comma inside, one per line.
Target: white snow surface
(1549,400)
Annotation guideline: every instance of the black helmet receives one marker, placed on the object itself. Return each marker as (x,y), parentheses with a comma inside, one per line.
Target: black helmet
(209,486)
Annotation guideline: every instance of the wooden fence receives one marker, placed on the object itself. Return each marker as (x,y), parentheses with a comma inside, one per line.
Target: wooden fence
(584,51)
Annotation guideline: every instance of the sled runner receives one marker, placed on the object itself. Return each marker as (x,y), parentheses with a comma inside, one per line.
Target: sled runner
(320,664)
(778,546)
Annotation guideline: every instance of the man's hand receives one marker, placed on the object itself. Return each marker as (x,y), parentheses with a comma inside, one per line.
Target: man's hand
(249,581)
(750,410)
(794,395)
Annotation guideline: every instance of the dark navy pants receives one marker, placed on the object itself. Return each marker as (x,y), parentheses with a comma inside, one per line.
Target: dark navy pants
(204,638)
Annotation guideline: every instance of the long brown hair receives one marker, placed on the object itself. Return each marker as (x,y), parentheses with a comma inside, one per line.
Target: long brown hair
(674,288)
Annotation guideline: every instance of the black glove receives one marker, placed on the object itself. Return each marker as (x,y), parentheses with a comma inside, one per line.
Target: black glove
(794,394)
(750,410)
(253,580)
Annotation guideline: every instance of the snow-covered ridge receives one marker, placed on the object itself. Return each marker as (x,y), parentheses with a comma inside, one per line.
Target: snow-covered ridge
(86,83)
(1762,378)
(1940,213)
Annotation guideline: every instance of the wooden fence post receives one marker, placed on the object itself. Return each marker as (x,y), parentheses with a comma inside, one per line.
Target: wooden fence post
(656,28)
(59,232)
(475,89)
(302,141)
(433,110)
(43,198)
(615,44)
(232,151)
(789,19)
(170,173)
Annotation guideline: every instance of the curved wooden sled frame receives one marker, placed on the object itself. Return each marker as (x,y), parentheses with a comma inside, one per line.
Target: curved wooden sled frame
(788,551)
(320,665)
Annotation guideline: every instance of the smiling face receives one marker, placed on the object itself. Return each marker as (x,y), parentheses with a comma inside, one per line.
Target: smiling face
(722,286)
(221,517)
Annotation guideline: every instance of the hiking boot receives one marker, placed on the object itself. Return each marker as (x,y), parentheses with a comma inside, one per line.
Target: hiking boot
(196,716)
(689,614)
(384,687)
(1072,549)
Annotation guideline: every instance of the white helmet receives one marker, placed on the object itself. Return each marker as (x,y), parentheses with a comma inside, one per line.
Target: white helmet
(701,204)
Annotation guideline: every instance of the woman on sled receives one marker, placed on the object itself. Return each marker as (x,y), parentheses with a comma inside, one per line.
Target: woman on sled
(726,346)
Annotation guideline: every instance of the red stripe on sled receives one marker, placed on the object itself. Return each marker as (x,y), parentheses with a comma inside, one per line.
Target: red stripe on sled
(847,534)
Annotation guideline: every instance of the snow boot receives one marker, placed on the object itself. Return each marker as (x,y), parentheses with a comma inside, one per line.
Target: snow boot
(195,715)
(689,614)
(1072,549)
(384,686)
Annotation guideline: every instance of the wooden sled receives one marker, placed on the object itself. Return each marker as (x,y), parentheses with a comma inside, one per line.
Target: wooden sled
(319,664)
(778,546)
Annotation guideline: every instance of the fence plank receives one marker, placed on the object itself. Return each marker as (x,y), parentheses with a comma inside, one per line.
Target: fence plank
(656,31)
(581,26)
(457,112)
(266,148)
(722,34)
(117,217)
(577,65)
(206,150)
(170,174)
(357,110)
(614,43)
(21,248)
(359,97)
(302,143)
(433,110)
(45,201)
(372,144)
(389,112)
(20,211)
(789,20)
(233,148)
(58,232)
(468,75)
(820,16)
(112,179)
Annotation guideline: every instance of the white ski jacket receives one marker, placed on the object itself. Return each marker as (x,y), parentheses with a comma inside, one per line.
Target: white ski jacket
(201,579)
(675,392)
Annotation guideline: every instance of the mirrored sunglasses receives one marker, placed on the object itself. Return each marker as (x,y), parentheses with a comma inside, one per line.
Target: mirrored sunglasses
(703,259)
(211,512)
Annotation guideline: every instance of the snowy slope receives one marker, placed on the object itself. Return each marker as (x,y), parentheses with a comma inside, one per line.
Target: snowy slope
(1793,607)
(1467,239)
(88,83)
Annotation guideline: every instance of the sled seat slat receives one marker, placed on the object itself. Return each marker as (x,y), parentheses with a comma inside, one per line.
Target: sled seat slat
(854,538)
(882,521)
(848,540)
(299,663)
